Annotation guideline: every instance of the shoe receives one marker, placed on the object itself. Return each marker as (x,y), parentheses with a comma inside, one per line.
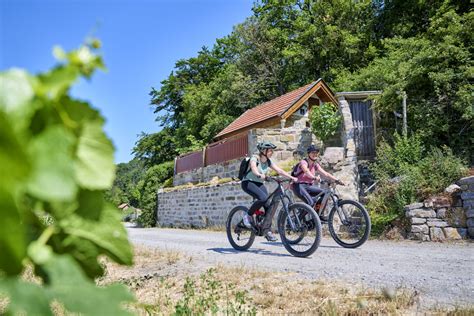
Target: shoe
(247,220)
(323,218)
(270,237)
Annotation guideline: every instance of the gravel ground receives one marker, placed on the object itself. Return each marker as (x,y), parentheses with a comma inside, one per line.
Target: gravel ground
(442,273)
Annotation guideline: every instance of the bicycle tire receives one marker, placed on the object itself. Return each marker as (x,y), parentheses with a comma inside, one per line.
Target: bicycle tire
(365,215)
(316,230)
(232,226)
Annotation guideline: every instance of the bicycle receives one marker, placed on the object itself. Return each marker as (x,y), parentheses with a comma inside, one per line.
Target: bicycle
(299,226)
(348,221)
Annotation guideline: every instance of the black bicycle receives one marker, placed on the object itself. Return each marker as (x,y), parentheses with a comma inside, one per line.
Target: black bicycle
(348,220)
(299,226)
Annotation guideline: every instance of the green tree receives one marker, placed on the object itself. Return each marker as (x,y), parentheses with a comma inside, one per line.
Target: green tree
(153,179)
(124,188)
(435,69)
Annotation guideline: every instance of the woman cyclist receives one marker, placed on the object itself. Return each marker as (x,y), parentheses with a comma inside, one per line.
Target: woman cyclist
(304,188)
(252,183)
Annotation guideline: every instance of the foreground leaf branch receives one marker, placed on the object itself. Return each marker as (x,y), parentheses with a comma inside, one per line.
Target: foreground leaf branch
(55,164)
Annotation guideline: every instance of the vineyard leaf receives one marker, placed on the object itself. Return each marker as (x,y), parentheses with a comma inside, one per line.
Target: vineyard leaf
(53,172)
(106,232)
(13,169)
(85,253)
(25,297)
(75,292)
(95,168)
(16,92)
(78,294)
(80,112)
(57,81)
(12,236)
(14,166)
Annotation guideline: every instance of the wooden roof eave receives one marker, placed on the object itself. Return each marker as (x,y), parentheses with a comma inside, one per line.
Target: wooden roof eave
(268,122)
(319,85)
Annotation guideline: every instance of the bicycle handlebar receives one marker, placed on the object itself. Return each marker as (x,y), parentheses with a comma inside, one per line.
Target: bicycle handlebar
(277,179)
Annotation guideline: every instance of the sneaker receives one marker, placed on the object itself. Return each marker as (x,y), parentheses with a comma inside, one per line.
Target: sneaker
(270,237)
(247,220)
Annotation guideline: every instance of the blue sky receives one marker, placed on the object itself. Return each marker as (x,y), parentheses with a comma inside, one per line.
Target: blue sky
(142,39)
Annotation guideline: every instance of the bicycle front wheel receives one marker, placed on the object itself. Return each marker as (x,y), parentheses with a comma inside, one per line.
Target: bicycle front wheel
(349,224)
(300,230)
(240,237)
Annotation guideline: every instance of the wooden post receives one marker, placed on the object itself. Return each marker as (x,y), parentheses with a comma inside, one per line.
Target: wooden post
(405,127)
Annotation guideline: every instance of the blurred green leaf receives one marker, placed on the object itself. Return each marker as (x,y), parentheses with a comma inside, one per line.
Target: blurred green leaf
(105,231)
(57,81)
(12,235)
(94,157)
(53,170)
(75,292)
(25,297)
(15,90)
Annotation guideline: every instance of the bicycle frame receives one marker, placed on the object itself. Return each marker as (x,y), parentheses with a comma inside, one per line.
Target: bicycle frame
(328,193)
(280,194)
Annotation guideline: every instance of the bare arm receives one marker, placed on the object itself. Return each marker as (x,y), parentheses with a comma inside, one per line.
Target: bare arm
(282,172)
(253,167)
(307,172)
(326,174)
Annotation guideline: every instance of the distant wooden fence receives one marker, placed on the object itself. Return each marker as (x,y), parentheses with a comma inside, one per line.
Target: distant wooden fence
(222,151)
(189,161)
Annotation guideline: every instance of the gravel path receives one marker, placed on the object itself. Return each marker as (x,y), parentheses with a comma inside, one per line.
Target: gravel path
(443,273)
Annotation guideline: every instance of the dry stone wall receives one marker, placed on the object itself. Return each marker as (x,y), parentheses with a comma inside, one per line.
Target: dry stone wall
(228,169)
(440,219)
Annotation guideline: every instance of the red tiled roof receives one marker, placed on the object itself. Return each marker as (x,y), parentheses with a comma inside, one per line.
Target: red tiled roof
(267,110)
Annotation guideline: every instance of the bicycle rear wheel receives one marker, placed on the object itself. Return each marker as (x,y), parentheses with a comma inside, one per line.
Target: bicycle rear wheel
(240,237)
(300,230)
(349,224)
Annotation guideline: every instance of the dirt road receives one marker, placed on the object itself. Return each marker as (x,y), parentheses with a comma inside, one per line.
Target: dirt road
(443,273)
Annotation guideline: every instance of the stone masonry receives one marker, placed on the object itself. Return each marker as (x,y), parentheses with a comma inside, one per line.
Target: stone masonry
(200,206)
(440,219)
(467,196)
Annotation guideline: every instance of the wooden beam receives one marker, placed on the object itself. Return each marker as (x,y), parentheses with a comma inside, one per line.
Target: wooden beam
(302,100)
(268,122)
(319,86)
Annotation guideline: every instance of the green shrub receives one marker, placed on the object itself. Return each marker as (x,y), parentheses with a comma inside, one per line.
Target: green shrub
(154,178)
(408,173)
(325,121)
(393,160)
(168,183)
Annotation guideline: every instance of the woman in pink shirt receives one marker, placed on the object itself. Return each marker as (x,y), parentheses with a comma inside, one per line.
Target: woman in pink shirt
(306,174)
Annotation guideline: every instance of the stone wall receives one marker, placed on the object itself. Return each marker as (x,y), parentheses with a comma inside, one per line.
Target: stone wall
(291,142)
(467,197)
(441,218)
(200,206)
(228,169)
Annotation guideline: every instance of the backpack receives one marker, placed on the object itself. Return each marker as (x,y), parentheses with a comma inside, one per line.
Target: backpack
(244,167)
(296,170)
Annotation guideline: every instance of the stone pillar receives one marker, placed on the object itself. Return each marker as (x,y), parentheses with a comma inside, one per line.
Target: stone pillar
(348,134)
(467,196)
(282,122)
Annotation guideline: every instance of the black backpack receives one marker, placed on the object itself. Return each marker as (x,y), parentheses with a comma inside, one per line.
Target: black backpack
(244,167)
(295,172)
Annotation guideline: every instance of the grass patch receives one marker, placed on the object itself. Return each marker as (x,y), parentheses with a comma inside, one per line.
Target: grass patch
(180,286)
